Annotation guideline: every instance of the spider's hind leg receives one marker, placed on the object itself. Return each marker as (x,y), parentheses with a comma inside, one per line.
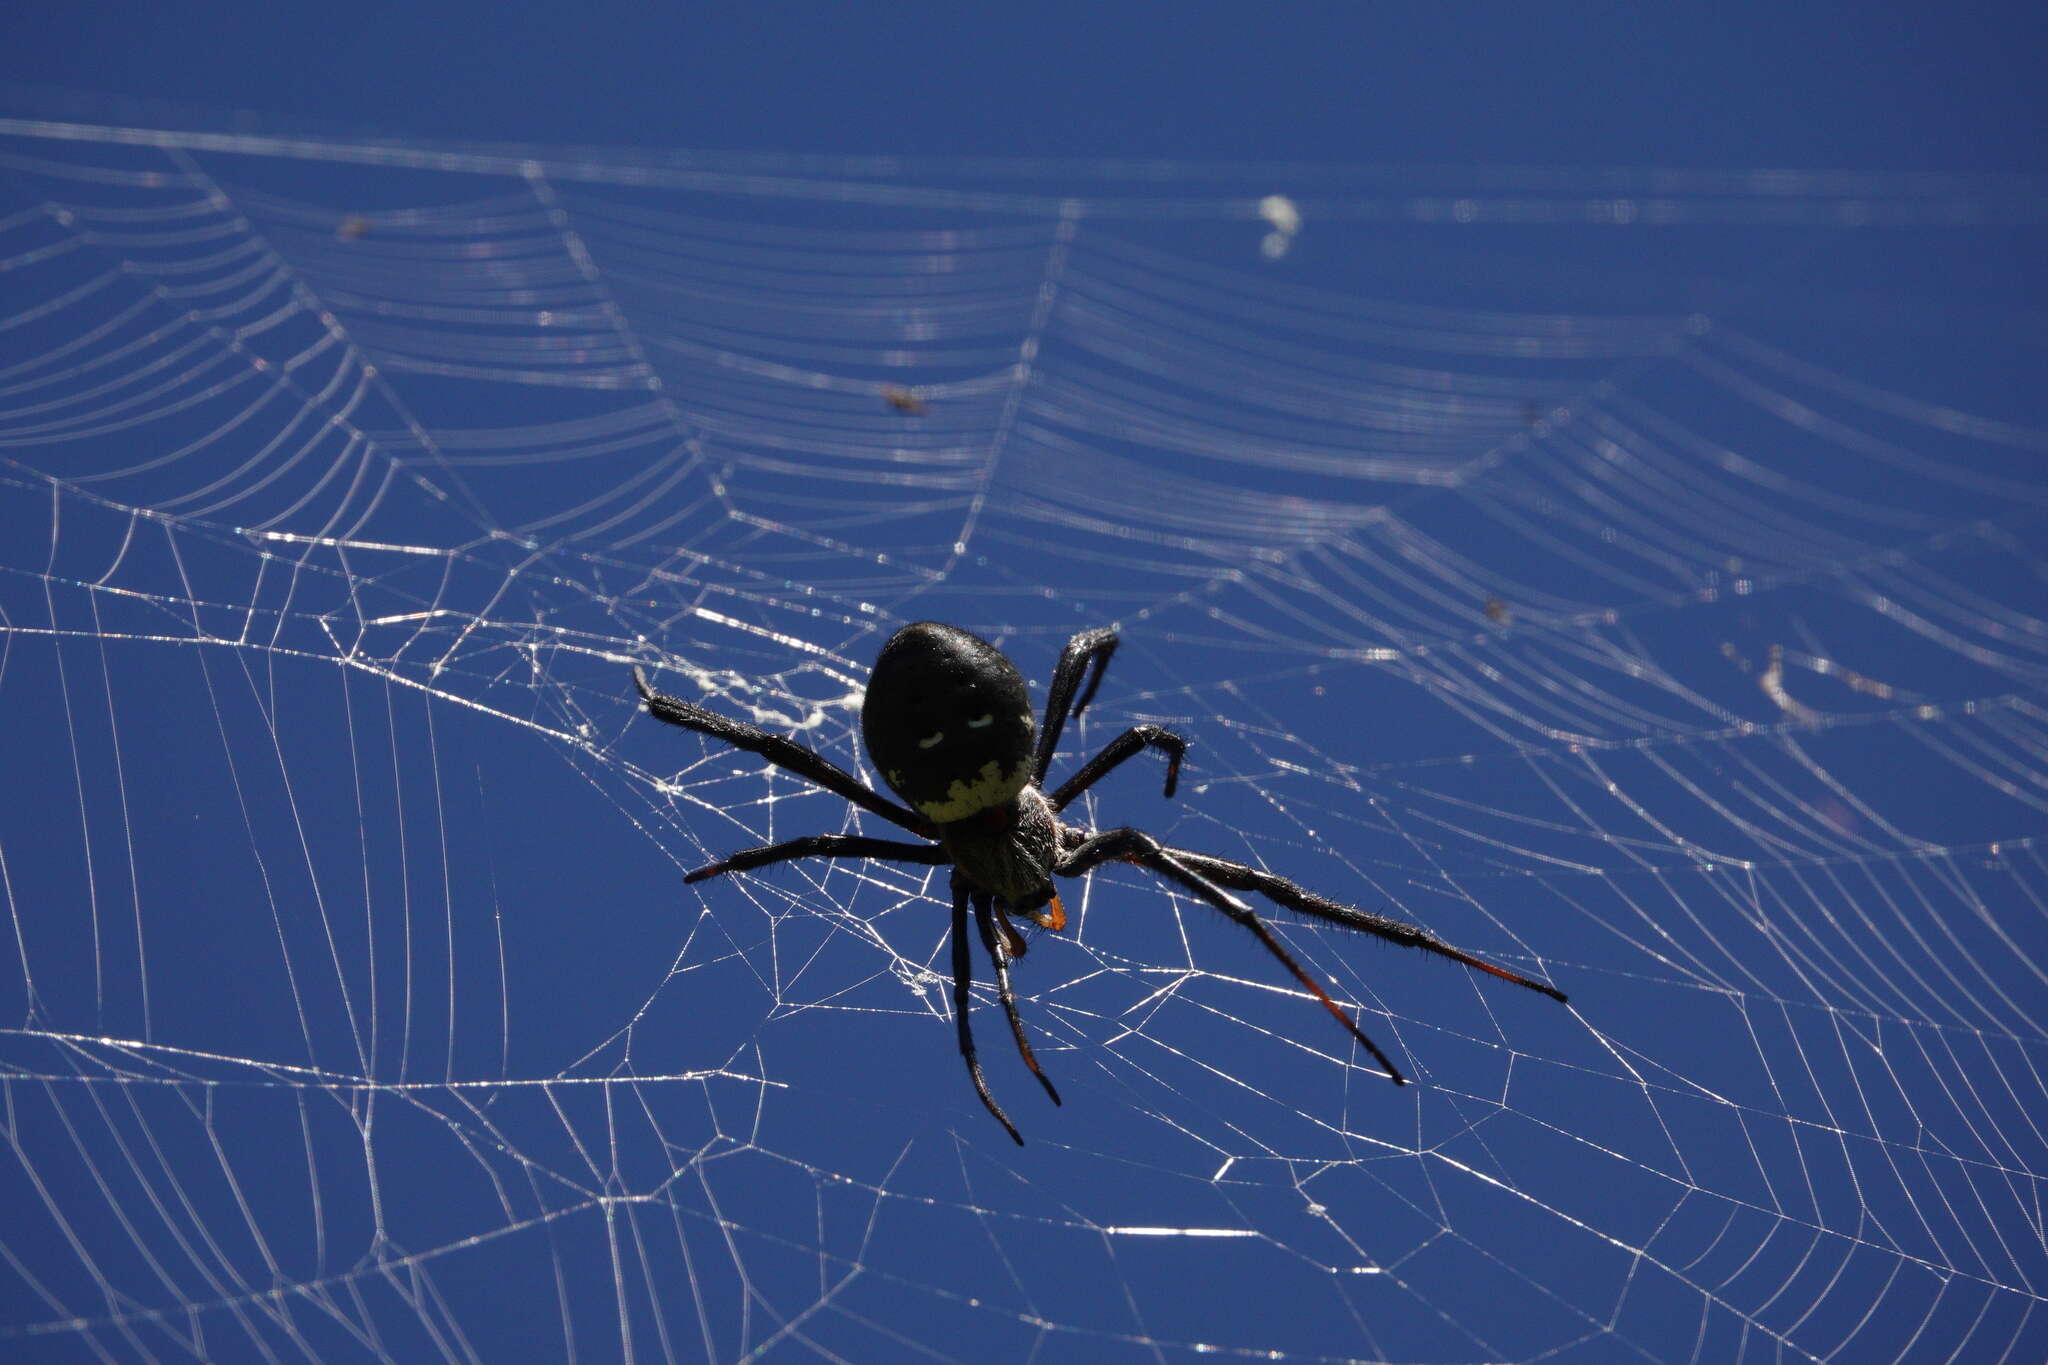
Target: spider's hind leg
(1088,647)
(821,846)
(783,753)
(1125,745)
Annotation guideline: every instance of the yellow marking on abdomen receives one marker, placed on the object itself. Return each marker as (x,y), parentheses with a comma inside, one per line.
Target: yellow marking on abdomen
(991,787)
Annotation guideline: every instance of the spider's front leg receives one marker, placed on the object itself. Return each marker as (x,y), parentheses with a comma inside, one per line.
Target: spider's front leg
(1136,846)
(963,998)
(1303,901)
(997,944)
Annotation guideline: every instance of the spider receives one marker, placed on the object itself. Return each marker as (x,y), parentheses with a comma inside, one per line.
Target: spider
(947,721)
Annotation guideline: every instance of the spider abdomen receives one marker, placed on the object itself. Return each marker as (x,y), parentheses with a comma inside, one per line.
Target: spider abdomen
(948,722)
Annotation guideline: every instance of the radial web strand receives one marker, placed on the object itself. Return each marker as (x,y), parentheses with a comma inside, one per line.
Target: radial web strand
(1641,581)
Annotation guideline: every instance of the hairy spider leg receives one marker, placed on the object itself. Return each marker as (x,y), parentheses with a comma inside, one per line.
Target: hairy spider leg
(783,753)
(1090,646)
(822,846)
(963,986)
(1284,892)
(1097,644)
(1130,742)
(985,920)
(1136,846)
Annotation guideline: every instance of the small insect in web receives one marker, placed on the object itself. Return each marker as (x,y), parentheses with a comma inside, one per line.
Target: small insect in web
(948,722)
(903,400)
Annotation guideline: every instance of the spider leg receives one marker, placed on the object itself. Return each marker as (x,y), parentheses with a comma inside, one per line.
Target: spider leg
(985,919)
(963,987)
(783,753)
(1090,646)
(1136,846)
(1307,902)
(1115,752)
(822,846)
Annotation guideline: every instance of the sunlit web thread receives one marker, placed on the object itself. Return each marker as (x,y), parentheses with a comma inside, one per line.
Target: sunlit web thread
(419,469)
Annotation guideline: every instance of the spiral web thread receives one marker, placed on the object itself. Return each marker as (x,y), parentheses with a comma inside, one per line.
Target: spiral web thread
(1637,579)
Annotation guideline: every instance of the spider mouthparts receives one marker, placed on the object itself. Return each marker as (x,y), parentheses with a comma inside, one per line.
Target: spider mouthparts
(1052,915)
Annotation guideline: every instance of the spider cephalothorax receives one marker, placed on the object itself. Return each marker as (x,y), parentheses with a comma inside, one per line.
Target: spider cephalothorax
(947,720)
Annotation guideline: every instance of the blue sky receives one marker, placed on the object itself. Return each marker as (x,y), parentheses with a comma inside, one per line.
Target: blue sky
(1749,759)
(1833,86)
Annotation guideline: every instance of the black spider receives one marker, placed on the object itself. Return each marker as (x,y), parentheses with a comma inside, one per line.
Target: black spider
(948,722)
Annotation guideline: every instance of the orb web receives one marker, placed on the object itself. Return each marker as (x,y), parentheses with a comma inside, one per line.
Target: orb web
(1636,579)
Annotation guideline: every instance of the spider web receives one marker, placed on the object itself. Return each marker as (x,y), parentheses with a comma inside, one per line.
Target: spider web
(1637,579)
